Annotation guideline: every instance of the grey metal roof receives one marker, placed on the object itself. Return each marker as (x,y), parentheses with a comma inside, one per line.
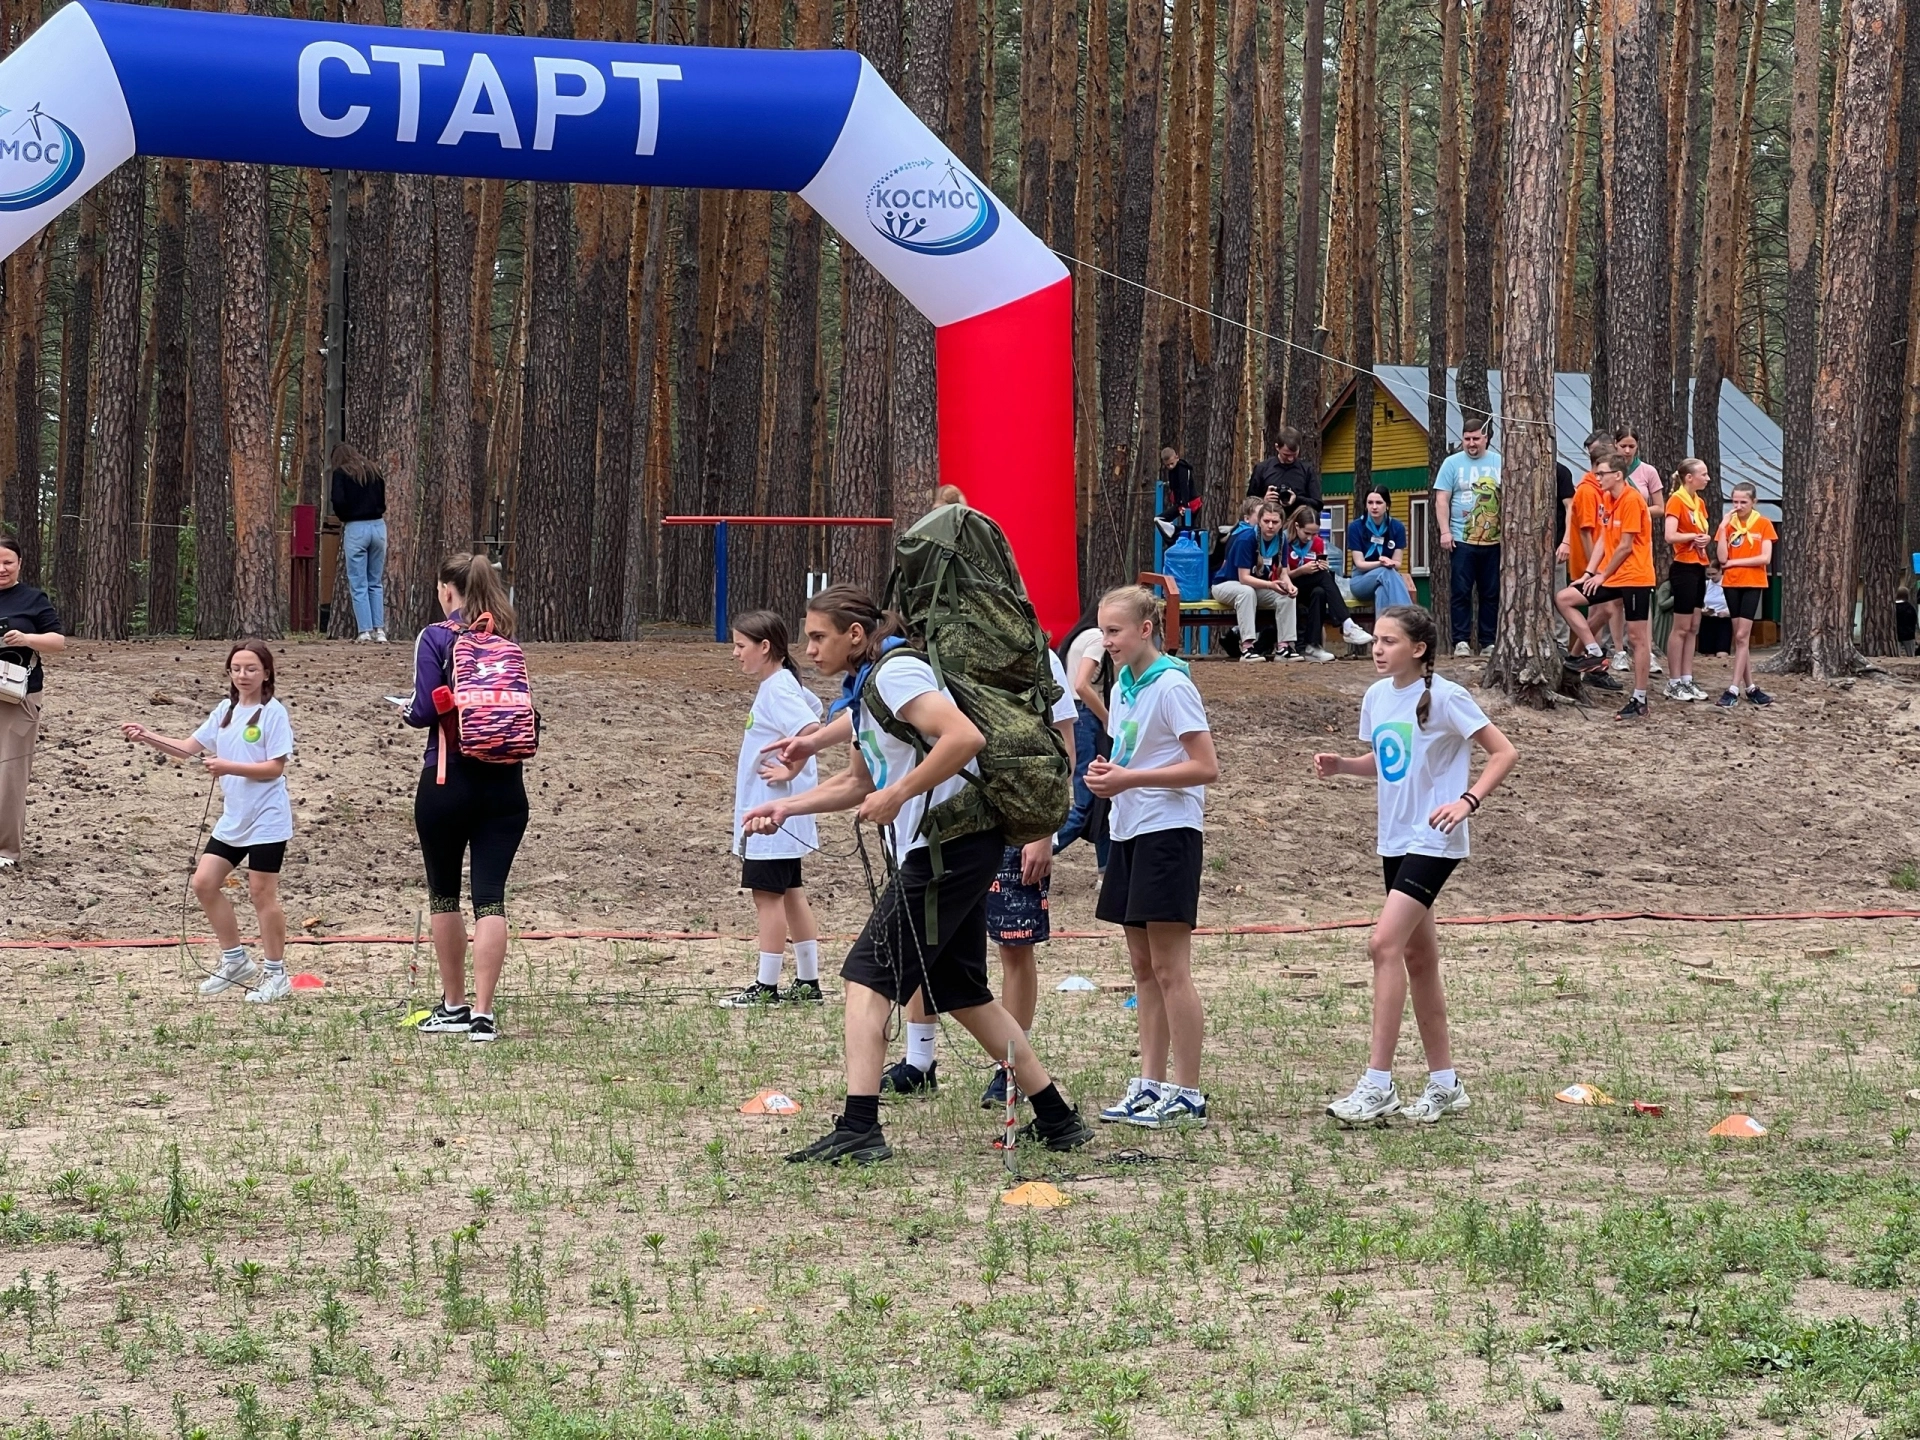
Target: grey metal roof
(1749,440)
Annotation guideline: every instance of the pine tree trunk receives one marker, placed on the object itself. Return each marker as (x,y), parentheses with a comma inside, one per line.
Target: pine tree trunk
(1199,238)
(1336,307)
(1743,163)
(1223,484)
(1721,242)
(448,526)
(1092,297)
(1441,247)
(1802,315)
(1689,119)
(651,442)
(107,508)
(687,557)
(1485,198)
(1364,17)
(911,424)
(27,275)
(968,111)
(1407,349)
(1883,565)
(170,400)
(244,320)
(1035,102)
(1063,61)
(613,496)
(310,453)
(1640,370)
(1583,116)
(591,295)
(488,199)
(1856,210)
(1526,659)
(213,552)
(1303,373)
(1273,116)
(76,371)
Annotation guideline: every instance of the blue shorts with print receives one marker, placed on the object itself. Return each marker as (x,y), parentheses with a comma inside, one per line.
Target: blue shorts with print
(1016,913)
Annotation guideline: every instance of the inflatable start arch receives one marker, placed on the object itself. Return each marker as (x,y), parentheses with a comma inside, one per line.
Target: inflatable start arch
(100,82)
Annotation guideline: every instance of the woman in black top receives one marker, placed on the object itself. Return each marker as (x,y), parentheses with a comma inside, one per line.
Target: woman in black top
(29,628)
(360,500)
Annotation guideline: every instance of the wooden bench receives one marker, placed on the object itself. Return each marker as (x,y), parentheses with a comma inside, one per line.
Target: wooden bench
(1211,614)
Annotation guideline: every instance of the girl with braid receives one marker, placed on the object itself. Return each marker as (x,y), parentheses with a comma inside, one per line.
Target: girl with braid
(1421,729)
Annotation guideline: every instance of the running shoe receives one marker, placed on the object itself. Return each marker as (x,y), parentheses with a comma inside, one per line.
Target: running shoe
(1654,666)
(1178,1109)
(747,996)
(1674,690)
(230,973)
(1727,701)
(447,1021)
(994,1097)
(1694,692)
(1314,652)
(1601,680)
(902,1079)
(845,1142)
(1622,662)
(1586,664)
(1166,528)
(1069,1133)
(1461,650)
(804,992)
(1367,1105)
(271,988)
(1142,1096)
(1354,635)
(1633,710)
(482,1030)
(1757,696)
(1436,1100)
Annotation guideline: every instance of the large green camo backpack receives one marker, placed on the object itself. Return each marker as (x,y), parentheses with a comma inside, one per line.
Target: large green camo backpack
(955,582)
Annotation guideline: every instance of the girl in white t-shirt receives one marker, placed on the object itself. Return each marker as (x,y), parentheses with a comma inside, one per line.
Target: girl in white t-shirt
(1422,729)
(1157,778)
(247,741)
(891,784)
(770,864)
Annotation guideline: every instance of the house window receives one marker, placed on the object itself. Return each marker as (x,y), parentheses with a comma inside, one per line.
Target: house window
(1418,509)
(1337,535)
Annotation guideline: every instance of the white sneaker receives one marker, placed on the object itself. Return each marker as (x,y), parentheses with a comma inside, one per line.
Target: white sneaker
(1461,650)
(379,636)
(365,637)
(270,989)
(1367,1105)
(1654,667)
(1142,1096)
(1674,690)
(1694,692)
(1166,527)
(1622,662)
(1436,1100)
(1178,1109)
(1314,652)
(1355,635)
(231,973)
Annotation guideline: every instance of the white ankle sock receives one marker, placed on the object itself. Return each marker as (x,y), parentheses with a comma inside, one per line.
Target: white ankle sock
(806,959)
(920,1040)
(1380,1079)
(770,962)
(276,967)
(235,956)
(1595,650)
(1443,1077)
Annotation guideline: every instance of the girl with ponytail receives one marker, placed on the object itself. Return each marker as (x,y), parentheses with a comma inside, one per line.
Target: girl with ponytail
(1421,729)
(770,864)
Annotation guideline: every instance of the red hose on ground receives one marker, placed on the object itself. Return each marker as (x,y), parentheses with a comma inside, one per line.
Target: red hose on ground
(151,942)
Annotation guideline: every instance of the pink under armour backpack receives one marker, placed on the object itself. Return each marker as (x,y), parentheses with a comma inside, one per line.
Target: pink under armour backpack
(493,719)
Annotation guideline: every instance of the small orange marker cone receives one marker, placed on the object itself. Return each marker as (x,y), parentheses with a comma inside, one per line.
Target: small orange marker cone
(1584,1095)
(1739,1127)
(307,980)
(1036,1194)
(771,1102)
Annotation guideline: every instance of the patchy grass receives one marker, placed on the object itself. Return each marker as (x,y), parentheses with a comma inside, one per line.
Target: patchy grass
(308,1222)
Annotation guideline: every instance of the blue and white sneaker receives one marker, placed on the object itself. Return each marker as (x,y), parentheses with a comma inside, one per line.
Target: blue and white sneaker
(1179,1108)
(1142,1095)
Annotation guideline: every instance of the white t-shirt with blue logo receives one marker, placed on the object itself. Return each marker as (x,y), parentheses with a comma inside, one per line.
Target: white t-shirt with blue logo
(252,812)
(1420,769)
(900,683)
(782,708)
(1146,734)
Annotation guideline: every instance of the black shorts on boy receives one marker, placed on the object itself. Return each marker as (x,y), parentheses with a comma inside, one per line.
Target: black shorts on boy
(1637,599)
(894,954)
(1153,879)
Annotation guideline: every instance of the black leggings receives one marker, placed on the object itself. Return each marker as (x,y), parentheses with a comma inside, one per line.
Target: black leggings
(481,807)
(1320,601)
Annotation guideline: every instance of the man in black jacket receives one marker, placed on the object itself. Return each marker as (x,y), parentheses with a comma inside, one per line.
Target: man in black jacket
(1283,479)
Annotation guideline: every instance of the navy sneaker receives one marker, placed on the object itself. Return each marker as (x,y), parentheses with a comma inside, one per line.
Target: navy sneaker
(902,1079)
(1633,710)
(1757,696)
(994,1097)
(1727,700)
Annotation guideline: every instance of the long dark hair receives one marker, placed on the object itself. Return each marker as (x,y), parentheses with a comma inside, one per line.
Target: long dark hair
(846,606)
(351,463)
(770,627)
(1416,623)
(481,592)
(260,651)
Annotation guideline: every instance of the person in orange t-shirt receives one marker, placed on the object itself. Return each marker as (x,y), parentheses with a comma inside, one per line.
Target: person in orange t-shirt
(1745,543)
(1583,533)
(1689,533)
(1619,568)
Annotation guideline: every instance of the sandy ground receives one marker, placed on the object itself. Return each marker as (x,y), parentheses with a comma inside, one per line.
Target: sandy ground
(1810,804)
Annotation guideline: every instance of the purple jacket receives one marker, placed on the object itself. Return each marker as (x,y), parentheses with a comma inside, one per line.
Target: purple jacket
(432,664)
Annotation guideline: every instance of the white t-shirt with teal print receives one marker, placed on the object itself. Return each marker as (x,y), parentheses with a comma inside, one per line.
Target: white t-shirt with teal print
(1420,769)
(252,812)
(782,708)
(900,683)
(1472,488)
(1146,727)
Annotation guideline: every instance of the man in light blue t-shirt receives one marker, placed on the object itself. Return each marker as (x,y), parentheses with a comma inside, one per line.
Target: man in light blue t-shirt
(1467,493)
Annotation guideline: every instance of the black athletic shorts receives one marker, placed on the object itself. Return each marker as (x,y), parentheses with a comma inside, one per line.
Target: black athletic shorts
(1153,879)
(1638,599)
(776,877)
(1743,601)
(261,859)
(1017,913)
(1689,584)
(894,954)
(1420,876)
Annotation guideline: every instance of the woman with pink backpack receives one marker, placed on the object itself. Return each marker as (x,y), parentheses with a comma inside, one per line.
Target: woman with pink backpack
(470,695)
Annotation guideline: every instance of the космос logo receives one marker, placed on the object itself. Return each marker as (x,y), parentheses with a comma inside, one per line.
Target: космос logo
(932,208)
(39,157)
